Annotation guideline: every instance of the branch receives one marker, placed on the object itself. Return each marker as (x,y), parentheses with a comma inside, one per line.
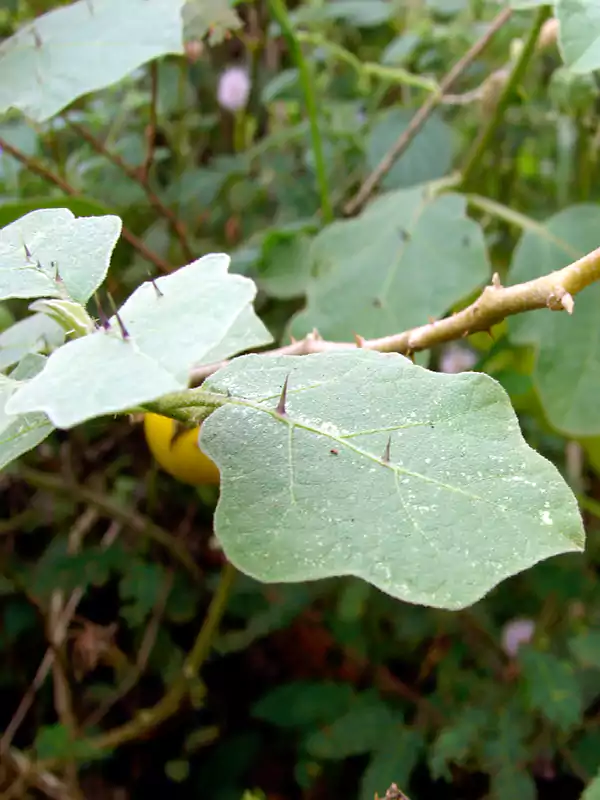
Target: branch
(554,291)
(35,166)
(148,719)
(128,517)
(481,144)
(139,176)
(151,129)
(422,115)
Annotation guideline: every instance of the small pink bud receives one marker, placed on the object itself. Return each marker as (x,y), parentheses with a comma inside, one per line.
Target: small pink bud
(457,359)
(515,633)
(234,89)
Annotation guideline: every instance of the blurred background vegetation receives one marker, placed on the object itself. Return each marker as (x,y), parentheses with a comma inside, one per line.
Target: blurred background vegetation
(320,691)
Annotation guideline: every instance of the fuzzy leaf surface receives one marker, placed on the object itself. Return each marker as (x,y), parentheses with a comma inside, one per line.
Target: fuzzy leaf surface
(35,247)
(81,48)
(406,258)
(172,326)
(462,504)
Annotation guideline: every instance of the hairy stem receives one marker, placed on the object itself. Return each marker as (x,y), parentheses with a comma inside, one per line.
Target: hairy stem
(280,13)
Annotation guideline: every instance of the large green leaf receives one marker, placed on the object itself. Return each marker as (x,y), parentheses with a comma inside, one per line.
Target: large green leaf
(429,155)
(579,34)
(567,367)
(183,320)
(81,48)
(52,243)
(406,258)
(462,503)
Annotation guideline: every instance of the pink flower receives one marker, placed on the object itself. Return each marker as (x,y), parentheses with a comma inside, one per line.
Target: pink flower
(234,89)
(456,358)
(515,633)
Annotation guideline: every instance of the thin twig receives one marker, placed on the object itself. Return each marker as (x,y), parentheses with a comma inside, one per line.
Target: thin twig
(149,719)
(35,166)
(554,291)
(126,516)
(146,646)
(60,632)
(481,144)
(44,781)
(63,700)
(424,112)
(151,129)
(279,10)
(139,176)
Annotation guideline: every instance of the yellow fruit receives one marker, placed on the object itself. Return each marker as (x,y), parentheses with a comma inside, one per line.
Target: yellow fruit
(177,451)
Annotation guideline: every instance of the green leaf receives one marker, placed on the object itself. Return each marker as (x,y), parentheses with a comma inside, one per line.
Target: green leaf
(456,743)
(304,704)
(359,13)
(579,34)
(11,210)
(429,155)
(29,335)
(393,763)
(463,503)
(551,687)
(81,48)
(71,316)
(567,367)
(21,433)
(360,730)
(189,317)
(285,265)
(58,568)
(213,17)
(510,781)
(35,247)
(592,790)
(585,647)
(56,741)
(586,751)
(140,589)
(406,258)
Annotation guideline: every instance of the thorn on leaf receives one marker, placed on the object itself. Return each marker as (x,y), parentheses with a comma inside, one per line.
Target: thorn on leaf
(334,452)
(280,409)
(37,38)
(124,331)
(157,289)
(103,318)
(360,342)
(28,254)
(57,276)
(386,453)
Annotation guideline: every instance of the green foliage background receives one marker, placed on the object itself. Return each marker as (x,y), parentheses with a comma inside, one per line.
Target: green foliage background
(324,689)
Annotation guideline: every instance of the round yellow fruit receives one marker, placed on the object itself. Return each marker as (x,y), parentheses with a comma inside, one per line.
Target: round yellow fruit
(176,449)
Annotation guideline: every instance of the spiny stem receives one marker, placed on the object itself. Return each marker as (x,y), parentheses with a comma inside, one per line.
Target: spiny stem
(280,13)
